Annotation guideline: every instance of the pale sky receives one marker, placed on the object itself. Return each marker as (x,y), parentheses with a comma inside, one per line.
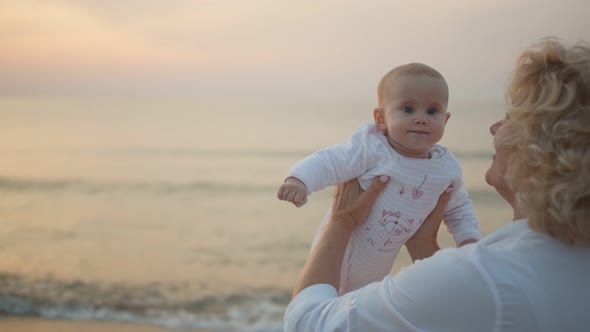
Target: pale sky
(269,48)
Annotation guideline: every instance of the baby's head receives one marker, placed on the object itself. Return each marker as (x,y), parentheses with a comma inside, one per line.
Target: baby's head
(412,109)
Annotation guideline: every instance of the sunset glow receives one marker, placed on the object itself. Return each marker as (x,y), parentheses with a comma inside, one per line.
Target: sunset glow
(316,48)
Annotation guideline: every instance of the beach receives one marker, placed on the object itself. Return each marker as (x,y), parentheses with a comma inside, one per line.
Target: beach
(22,324)
(129,211)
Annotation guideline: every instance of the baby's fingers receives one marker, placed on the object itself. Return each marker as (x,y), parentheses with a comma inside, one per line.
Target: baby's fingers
(281,192)
(290,196)
(284,192)
(300,199)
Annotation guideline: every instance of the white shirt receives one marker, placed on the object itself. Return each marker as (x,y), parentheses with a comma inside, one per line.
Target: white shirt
(410,196)
(514,279)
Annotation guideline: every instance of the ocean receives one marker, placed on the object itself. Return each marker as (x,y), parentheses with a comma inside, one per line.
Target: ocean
(164,212)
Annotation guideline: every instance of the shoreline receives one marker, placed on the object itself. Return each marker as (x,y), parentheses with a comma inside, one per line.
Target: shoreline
(10,323)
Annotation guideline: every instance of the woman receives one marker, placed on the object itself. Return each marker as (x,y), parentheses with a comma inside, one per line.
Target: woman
(530,275)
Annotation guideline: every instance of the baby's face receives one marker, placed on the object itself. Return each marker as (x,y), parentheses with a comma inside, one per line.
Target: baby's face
(415,115)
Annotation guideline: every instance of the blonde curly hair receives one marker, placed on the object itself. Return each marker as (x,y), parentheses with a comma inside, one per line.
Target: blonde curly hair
(549,113)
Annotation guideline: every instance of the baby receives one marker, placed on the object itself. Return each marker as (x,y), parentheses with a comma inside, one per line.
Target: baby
(401,143)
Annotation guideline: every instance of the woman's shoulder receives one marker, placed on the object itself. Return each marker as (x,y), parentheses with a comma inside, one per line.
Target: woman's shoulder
(451,283)
(534,274)
(517,245)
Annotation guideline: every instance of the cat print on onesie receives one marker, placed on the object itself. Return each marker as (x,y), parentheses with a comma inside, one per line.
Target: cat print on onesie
(394,228)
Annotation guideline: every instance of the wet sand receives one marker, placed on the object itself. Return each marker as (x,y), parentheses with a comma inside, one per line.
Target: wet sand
(31,324)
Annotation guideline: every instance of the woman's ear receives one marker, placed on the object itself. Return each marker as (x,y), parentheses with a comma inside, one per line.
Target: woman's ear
(379,118)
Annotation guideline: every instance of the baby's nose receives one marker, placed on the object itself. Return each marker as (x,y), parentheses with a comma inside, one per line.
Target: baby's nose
(420,120)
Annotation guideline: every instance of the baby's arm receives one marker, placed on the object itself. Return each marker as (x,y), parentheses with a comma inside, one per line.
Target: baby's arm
(460,218)
(327,167)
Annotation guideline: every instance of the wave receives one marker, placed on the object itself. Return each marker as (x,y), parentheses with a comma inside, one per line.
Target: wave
(153,304)
(78,186)
(195,152)
(15,184)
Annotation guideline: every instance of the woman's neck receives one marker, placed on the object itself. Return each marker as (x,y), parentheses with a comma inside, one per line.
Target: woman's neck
(518,210)
(519,213)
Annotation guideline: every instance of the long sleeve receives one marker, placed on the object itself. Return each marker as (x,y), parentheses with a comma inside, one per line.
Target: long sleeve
(447,292)
(335,164)
(460,218)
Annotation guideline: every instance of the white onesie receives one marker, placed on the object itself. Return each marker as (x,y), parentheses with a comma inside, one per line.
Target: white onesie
(399,211)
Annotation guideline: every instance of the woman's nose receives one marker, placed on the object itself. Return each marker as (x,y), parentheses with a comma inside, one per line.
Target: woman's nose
(494,127)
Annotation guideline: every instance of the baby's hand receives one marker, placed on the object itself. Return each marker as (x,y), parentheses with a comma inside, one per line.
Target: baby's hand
(294,191)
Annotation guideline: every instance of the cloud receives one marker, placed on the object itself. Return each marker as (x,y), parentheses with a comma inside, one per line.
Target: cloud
(322,47)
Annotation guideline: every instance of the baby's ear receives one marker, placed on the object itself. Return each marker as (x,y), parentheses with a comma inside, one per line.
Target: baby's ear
(447,117)
(379,118)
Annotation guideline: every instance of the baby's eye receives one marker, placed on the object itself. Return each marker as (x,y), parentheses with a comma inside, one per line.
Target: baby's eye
(408,109)
(432,111)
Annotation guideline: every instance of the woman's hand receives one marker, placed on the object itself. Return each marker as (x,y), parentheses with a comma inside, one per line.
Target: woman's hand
(424,242)
(351,205)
